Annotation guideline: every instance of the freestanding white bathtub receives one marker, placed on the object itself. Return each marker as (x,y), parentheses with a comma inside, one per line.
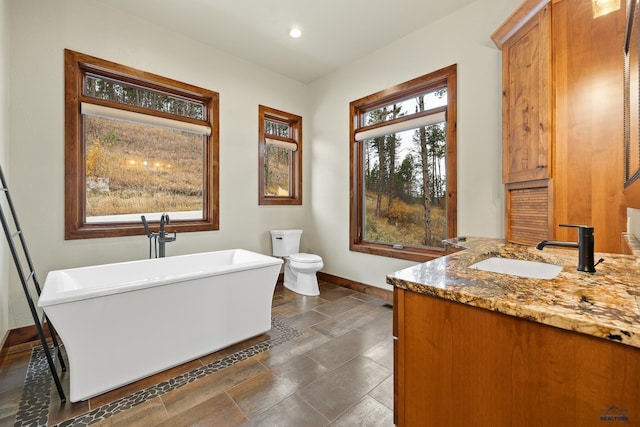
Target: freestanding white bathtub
(123,322)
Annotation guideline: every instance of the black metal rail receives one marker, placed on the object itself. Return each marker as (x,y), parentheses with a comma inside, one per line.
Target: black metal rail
(27,274)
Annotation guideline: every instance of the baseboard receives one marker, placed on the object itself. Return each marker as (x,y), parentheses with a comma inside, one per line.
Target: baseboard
(4,349)
(374,291)
(22,338)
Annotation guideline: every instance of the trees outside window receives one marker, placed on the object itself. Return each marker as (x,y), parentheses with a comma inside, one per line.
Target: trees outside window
(136,144)
(403,168)
(280,157)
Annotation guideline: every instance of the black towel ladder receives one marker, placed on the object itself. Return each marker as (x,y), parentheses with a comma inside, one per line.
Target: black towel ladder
(23,264)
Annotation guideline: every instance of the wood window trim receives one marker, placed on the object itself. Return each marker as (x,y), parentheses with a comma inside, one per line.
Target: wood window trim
(76,64)
(295,122)
(356,163)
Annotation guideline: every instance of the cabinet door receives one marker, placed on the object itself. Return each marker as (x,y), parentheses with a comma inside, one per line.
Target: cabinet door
(528,218)
(526,109)
(468,366)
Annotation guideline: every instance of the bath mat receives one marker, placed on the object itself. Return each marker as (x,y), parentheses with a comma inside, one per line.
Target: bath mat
(33,409)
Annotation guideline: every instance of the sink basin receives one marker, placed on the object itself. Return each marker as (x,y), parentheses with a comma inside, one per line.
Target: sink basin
(518,267)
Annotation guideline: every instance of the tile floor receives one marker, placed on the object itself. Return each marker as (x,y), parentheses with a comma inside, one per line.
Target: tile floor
(338,372)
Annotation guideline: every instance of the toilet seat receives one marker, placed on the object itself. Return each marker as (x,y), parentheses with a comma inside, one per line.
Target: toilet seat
(305,258)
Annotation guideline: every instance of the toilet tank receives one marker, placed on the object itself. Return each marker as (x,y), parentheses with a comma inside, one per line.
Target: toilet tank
(285,242)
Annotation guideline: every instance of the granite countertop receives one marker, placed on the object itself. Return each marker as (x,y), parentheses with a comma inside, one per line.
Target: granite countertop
(603,304)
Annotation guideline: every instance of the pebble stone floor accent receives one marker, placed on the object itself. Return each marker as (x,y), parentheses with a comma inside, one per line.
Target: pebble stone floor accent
(34,405)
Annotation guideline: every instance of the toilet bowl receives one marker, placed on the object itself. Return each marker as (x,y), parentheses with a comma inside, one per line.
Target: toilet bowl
(299,268)
(300,273)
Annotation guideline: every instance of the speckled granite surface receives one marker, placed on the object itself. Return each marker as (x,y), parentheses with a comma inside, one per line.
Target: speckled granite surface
(604,304)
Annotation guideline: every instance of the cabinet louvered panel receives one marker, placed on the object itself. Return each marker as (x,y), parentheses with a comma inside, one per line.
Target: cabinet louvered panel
(527,215)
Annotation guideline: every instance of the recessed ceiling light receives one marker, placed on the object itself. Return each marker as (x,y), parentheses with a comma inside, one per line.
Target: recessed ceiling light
(295,32)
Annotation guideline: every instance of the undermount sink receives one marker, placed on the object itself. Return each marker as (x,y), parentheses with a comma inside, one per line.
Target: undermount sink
(518,267)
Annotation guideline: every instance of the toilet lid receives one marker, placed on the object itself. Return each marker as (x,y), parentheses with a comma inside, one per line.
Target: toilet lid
(302,257)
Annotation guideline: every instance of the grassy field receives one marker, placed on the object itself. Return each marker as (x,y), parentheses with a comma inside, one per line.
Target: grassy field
(145,168)
(402,223)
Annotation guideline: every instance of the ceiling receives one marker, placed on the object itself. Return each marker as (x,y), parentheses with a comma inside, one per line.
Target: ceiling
(334,32)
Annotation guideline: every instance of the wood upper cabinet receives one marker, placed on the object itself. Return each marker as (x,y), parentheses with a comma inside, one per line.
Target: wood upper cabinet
(527,119)
(562,121)
(526,99)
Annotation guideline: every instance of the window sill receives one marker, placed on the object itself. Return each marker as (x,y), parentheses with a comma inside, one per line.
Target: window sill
(406,253)
(95,231)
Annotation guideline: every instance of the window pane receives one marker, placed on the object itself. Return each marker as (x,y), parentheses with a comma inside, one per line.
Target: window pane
(432,99)
(405,187)
(403,168)
(272,127)
(135,169)
(129,94)
(277,167)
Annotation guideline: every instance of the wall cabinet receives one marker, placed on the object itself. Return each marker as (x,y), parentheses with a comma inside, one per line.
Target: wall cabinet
(562,121)
(526,111)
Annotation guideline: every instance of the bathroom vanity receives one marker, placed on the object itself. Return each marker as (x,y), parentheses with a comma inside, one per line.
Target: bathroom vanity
(479,348)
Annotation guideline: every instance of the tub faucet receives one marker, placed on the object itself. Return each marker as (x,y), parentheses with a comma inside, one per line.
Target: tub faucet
(164,220)
(584,245)
(162,236)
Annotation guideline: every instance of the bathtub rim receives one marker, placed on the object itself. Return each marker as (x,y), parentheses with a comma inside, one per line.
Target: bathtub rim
(51,295)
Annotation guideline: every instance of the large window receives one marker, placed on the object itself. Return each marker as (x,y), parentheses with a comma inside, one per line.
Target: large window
(136,144)
(280,159)
(403,168)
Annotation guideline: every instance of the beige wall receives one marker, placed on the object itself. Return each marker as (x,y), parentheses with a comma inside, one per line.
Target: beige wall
(40,30)
(4,157)
(461,38)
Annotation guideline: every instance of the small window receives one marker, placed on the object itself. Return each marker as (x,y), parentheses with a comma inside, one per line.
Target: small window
(137,144)
(280,159)
(403,168)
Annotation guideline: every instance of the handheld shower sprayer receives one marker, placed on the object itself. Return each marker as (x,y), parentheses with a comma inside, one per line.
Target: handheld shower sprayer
(146,227)
(153,237)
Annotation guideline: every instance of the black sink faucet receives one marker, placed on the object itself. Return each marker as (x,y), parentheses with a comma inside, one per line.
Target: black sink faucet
(585,245)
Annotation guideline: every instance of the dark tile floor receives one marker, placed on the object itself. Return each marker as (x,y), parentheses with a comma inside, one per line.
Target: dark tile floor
(338,372)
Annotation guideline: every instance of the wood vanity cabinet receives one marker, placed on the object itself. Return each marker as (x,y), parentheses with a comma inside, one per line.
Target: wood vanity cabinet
(562,121)
(458,365)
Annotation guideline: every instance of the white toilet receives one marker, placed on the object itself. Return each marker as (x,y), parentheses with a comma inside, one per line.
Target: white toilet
(299,268)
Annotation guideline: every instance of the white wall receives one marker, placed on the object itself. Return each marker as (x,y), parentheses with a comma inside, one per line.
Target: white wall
(4,156)
(40,30)
(633,222)
(461,38)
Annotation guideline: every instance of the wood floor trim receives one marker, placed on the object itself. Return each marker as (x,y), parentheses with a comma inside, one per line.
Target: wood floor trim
(20,338)
(4,348)
(374,291)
